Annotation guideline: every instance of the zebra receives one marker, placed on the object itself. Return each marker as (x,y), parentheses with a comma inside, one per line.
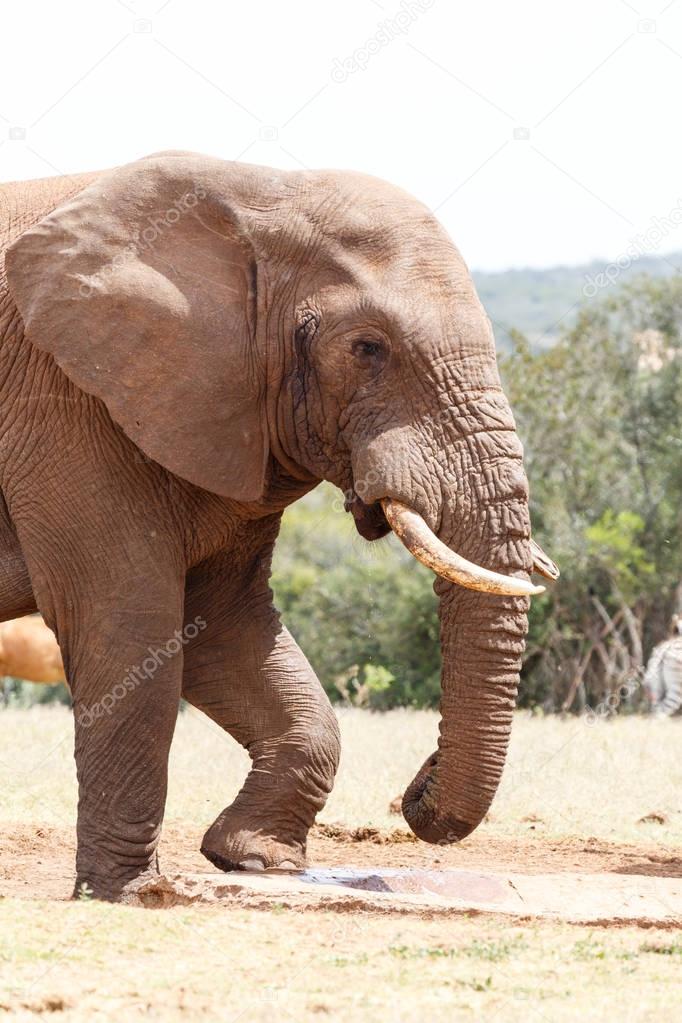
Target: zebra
(663,676)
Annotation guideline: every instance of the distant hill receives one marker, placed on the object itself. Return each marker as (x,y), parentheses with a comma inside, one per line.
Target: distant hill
(541,303)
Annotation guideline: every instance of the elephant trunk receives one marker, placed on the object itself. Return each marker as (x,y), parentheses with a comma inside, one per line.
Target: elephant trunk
(474,532)
(482,642)
(482,639)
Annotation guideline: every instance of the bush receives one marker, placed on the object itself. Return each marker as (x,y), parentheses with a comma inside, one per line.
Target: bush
(365,615)
(600,415)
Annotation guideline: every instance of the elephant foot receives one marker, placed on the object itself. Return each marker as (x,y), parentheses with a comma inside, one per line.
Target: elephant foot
(245,849)
(108,890)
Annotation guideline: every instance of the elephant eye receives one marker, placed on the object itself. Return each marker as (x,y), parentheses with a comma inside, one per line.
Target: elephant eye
(366,348)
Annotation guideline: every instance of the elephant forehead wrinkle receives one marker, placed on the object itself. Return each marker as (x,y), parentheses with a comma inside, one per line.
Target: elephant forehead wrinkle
(454,369)
(390,238)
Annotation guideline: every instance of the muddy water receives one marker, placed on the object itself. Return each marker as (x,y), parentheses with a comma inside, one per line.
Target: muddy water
(457,884)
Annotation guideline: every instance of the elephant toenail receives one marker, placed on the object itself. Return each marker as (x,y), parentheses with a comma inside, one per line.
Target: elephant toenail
(287,865)
(252,863)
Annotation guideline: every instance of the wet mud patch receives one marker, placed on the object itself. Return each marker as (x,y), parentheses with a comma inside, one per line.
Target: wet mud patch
(578,880)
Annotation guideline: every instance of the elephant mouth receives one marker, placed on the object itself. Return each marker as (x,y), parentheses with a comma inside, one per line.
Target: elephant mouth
(369,519)
(379,518)
(426,547)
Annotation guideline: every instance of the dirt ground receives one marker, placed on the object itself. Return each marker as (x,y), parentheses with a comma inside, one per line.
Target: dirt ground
(601,801)
(37,860)
(90,961)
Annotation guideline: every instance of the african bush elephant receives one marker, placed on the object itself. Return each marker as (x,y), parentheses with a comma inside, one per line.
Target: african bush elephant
(187,346)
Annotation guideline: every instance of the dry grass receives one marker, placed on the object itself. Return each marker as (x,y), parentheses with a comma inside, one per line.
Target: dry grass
(89,961)
(576,779)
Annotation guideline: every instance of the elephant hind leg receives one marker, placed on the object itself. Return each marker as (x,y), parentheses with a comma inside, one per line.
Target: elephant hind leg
(16,592)
(247,673)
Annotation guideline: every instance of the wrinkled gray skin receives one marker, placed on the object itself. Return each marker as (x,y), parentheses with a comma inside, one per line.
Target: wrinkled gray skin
(169,383)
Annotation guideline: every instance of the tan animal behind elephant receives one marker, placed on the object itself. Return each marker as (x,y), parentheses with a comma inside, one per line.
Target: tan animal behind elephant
(29,650)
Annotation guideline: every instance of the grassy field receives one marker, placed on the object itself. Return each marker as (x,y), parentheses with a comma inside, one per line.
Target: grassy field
(595,780)
(564,779)
(82,962)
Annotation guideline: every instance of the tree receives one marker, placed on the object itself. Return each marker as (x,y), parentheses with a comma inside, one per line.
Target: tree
(601,418)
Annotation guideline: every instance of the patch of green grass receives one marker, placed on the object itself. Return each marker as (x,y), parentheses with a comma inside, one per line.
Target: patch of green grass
(358,960)
(410,952)
(673,948)
(478,985)
(493,951)
(587,949)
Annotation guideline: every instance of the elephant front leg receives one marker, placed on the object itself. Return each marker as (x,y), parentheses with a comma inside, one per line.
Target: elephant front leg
(248,674)
(126,680)
(122,644)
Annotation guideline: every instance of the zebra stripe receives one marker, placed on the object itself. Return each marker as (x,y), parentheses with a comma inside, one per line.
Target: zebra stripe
(663,677)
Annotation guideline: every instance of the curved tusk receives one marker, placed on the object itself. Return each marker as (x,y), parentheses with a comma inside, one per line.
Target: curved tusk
(424,545)
(542,564)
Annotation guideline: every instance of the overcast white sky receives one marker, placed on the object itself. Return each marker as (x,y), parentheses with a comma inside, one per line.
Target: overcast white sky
(540,132)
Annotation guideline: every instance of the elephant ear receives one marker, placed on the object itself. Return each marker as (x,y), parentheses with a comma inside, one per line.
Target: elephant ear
(143,289)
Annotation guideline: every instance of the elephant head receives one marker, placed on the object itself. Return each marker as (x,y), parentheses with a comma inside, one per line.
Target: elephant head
(234,319)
